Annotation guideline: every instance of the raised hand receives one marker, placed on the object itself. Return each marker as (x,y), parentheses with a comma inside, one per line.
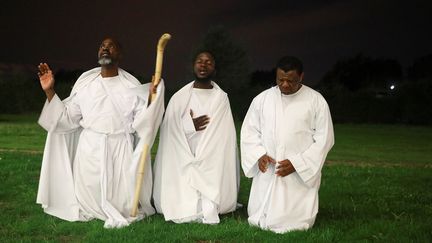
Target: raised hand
(200,122)
(284,168)
(264,161)
(46,77)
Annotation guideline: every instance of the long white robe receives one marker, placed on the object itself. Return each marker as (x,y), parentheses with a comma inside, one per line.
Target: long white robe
(92,151)
(297,127)
(199,104)
(187,183)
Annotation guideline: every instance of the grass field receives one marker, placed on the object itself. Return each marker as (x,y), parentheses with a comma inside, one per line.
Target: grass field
(376,186)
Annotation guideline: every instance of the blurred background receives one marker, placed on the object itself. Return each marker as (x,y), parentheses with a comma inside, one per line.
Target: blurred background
(372,60)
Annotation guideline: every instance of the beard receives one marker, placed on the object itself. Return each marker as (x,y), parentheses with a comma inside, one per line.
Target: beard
(204,80)
(105,61)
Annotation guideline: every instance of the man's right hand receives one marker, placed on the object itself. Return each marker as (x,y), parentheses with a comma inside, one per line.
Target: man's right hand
(264,161)
(46,79)
(200,122)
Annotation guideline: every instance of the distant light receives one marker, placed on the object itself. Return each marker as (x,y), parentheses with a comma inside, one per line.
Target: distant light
(392,87)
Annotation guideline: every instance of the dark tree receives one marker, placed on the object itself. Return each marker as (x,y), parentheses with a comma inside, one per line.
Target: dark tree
(232,68)
(421,68)
(358,90)
(416,98)
(264,79)
(361,72)
(232,64)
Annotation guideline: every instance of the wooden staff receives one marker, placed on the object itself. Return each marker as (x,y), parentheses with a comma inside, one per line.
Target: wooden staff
(157,76)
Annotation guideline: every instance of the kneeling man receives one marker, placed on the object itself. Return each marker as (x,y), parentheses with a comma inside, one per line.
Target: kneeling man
(94,142)
(285,138)
(196,168)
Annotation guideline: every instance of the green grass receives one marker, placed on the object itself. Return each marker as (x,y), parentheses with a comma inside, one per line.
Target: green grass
(21,133)
(376,187)
(383,143)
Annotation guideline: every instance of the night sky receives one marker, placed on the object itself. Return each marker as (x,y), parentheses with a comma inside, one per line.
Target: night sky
(67,34)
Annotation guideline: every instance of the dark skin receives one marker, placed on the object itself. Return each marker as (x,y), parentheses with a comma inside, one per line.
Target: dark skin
(204,68)
(283,167)
(108,49)
(200,123)
(46,79)
(264,161)
(289,82)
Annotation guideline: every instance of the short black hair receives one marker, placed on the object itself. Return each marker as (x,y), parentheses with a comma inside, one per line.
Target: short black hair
(199,51)
(288,63)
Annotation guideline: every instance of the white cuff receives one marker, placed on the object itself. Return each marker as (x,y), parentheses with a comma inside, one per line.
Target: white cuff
(302,169)
(254,156)
(51,113)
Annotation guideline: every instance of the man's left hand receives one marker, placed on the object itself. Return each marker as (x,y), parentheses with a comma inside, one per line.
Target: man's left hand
(284,168)
(152,88)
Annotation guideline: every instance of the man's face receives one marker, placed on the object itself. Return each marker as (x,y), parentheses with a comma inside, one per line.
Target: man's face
(109,52)
(204,66)
(289,82)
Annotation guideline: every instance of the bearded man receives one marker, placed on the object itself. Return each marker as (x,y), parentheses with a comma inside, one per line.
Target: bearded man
(94,141)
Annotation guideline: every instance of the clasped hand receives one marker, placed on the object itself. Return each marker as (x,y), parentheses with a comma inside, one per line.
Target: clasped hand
(283,168)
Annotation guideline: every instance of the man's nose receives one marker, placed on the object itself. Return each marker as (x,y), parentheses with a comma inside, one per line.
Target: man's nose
(286,84)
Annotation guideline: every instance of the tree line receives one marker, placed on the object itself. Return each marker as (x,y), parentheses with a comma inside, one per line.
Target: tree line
(359,89)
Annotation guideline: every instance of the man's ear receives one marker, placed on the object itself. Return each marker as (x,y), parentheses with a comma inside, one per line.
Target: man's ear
(301,77)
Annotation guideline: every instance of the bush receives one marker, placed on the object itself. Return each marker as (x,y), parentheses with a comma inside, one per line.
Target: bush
(20,92)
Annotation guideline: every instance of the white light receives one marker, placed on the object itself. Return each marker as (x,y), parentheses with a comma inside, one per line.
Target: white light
(392,87)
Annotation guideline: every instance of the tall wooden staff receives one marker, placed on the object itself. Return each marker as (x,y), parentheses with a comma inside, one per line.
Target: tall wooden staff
(163,40)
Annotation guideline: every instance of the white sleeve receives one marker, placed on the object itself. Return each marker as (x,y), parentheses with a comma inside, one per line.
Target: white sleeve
(251,144)
(188,125)
(60,117)
(310,162)
(148,118)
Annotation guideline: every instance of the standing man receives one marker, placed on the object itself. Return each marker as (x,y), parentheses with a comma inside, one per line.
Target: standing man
(196,168)
(285,138)
(94,141)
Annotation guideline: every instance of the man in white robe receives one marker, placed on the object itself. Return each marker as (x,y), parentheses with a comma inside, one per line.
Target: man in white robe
(285,138)
(94,141)
(196,168)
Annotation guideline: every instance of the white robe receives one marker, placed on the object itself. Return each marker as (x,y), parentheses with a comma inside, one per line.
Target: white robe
(187,183)
(199,104)
(91,154)
(297,127)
